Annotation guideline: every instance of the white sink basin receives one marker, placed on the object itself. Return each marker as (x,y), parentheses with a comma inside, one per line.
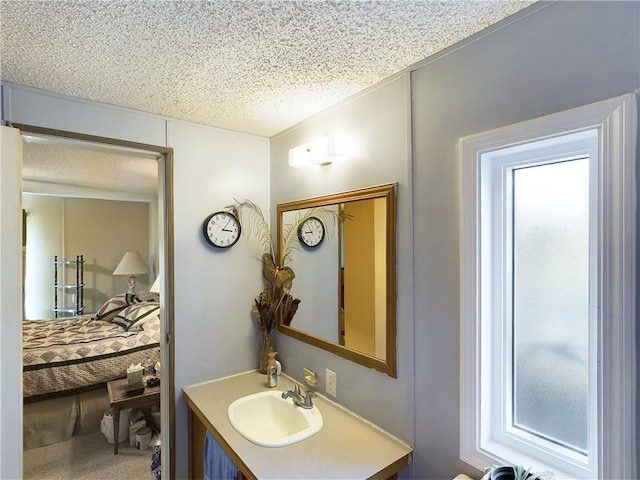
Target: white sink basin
(268,420)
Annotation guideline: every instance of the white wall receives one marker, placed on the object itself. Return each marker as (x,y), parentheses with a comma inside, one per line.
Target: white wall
(30,106)
(214,288)
(380,153)
(564,55)
(214,333)
(10,305)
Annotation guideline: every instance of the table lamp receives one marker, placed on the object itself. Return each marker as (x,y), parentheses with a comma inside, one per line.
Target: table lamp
(131,264)
(155,288)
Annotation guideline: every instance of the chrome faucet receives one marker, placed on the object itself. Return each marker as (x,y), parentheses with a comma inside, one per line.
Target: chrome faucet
(298,399)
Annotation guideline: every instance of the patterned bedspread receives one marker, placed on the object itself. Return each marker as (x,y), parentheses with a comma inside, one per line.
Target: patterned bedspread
(70,355)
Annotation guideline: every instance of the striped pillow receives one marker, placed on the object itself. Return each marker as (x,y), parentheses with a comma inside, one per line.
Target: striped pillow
(114,305)
(136,314)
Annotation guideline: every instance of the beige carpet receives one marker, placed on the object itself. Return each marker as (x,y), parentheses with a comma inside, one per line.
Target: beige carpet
(89,457)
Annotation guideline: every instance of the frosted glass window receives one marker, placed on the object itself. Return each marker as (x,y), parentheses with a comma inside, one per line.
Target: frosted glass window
(548,293)
(550,301)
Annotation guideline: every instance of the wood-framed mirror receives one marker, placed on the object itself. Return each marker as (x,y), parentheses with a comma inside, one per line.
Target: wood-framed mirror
(346,283)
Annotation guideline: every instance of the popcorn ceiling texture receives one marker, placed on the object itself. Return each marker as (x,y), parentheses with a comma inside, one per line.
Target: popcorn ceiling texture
(57,169)
(255,66)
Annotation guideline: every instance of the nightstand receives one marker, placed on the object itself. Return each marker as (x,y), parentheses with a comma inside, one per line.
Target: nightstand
(119,399)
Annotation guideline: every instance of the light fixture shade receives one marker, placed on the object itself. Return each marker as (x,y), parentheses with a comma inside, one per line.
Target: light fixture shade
(131,264)
(155,288)
(319,152)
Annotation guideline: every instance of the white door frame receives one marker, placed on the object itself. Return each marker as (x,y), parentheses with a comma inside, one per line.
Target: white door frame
(11,294)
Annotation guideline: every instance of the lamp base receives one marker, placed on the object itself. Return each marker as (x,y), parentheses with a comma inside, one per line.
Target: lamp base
(132,285)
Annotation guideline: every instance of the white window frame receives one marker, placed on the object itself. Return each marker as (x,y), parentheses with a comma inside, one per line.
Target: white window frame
(615,375)
(496,243)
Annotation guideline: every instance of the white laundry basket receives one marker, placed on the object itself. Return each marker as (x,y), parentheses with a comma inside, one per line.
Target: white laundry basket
(106,425)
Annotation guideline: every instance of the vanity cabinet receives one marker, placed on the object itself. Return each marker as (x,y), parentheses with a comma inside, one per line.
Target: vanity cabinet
(197,435)
(347,446)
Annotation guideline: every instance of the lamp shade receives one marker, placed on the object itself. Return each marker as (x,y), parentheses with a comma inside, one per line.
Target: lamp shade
(131,264)
(155,288)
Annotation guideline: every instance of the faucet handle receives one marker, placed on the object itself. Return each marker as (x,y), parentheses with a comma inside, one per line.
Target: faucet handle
(307,399)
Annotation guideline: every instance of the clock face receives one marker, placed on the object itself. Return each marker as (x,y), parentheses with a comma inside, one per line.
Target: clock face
(311,232)
(221,229)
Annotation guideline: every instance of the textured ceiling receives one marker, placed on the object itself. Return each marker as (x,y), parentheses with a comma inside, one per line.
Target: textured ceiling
(72,169)
(255,66)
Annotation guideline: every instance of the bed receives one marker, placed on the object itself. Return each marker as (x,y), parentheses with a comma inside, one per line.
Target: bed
(67,363)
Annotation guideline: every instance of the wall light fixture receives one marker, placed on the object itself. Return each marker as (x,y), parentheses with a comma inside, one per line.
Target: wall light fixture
(318,152)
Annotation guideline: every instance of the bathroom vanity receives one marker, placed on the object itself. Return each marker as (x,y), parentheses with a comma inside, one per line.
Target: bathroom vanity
(347,446)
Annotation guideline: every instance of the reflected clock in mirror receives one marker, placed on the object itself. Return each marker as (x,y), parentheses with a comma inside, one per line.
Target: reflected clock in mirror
(311,232)
(346,283)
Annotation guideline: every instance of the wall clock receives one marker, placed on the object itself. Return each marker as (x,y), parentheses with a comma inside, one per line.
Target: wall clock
(221,229)
(311,232)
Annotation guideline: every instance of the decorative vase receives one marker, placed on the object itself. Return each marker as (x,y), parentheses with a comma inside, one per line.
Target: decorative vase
(502,473)
(265,348)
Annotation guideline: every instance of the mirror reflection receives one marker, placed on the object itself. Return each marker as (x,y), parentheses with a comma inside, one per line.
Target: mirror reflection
(363,278)
(346,281)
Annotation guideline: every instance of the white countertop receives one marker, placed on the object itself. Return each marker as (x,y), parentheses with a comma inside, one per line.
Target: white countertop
(347,447)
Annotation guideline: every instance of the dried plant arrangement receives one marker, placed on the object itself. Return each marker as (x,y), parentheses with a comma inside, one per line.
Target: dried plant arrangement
(277,276)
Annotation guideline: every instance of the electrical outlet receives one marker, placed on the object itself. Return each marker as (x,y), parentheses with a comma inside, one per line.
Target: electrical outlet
(332,381)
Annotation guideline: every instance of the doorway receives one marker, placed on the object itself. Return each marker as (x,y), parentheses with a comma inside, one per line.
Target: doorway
(164,222)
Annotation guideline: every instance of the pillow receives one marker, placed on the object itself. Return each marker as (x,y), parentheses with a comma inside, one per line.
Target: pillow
(114,305)
(136,314)
(149,296)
